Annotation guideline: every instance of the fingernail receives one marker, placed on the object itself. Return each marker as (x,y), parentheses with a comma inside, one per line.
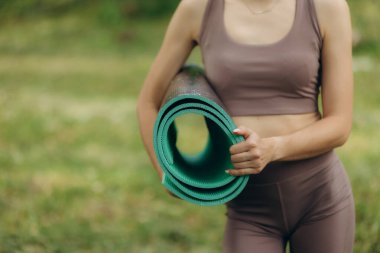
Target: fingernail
(227,171)
(236,130)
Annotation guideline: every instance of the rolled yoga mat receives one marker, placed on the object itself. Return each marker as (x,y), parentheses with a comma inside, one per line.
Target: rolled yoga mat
(199,178)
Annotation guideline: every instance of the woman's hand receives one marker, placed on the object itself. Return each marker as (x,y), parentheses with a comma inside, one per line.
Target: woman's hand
(252,155)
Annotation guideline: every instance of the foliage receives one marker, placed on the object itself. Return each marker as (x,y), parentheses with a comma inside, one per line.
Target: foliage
(119,12)
(110,11)
(365,20)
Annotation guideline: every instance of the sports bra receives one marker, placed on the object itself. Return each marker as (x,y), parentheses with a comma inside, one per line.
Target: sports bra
(251,79)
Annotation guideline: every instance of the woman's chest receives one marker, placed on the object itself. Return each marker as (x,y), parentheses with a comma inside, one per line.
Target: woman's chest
(283,69)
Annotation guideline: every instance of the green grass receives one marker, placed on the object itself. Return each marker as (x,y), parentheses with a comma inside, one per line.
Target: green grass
(74,176)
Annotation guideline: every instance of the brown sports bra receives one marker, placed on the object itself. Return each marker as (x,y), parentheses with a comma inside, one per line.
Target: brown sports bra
(278,78)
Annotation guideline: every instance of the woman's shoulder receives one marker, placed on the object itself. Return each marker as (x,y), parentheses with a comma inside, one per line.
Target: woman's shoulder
(329,12)
(193,4)
(192,12)
(192,9)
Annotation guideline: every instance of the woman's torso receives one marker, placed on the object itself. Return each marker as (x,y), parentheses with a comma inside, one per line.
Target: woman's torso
(243,27)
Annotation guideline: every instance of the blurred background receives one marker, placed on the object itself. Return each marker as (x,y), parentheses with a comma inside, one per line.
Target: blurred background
(74,176)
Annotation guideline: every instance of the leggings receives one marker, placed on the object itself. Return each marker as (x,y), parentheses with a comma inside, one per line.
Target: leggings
(307,203)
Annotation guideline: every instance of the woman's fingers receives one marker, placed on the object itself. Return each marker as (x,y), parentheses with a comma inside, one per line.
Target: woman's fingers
(244,131)
(251,140)
(241,172)
(248,164)
(240,147)
(245,156)
(241,157)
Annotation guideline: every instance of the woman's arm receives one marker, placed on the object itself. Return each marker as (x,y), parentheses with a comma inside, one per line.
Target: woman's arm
(251,156)
(176,46)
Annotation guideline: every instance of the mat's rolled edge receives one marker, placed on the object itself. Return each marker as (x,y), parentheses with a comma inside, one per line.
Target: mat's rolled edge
(166,160)
(212,202)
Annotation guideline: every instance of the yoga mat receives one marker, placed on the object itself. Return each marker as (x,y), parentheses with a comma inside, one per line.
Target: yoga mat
(199,178)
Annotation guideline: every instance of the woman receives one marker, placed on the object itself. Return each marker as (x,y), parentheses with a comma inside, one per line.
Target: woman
(267,59)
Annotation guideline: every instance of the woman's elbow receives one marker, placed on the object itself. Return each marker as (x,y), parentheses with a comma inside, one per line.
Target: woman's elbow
(343,135)
(143,105)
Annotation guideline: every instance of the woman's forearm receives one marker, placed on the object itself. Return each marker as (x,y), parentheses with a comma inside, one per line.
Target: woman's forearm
(315,139)
(146,114)
(252,155)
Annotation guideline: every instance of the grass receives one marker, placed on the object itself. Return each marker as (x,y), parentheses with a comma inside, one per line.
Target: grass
(74,176)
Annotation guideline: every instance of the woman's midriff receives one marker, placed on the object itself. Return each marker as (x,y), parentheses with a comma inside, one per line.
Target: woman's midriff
(275,125)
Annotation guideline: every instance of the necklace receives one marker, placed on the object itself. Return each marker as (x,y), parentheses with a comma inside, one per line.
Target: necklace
(261,11)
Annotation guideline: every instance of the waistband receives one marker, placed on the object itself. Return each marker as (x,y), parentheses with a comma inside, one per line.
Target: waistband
(278,171)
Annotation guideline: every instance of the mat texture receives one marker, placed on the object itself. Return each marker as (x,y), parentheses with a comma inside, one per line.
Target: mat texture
(200,178)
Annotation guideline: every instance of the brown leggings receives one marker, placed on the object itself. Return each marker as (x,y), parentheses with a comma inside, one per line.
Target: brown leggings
(308,203)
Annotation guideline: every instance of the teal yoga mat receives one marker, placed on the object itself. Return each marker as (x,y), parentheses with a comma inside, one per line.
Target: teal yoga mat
(199,178)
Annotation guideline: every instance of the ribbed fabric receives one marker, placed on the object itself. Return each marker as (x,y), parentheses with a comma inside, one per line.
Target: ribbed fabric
(276,78)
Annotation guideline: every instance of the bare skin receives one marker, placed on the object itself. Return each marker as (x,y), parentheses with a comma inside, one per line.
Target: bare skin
(270,137)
